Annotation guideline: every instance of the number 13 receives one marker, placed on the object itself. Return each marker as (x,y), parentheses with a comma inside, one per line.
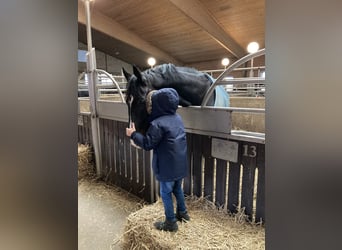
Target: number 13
(252,152)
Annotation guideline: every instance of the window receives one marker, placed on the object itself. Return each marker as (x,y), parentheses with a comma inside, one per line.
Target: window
(82,56)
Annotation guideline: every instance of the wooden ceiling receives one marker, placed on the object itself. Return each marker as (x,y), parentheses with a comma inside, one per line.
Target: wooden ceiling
(197,33)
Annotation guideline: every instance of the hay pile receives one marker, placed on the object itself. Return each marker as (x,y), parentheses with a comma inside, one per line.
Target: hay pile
(209,228)
(86,167)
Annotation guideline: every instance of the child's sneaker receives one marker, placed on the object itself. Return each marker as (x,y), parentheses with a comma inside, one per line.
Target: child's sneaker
(166,225)
(182,216)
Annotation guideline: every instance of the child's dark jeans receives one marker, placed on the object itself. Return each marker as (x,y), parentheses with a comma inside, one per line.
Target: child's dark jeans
(166,190)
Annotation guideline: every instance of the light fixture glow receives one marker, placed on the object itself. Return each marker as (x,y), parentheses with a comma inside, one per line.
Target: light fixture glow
(252,47)
(225,62)
(151,61)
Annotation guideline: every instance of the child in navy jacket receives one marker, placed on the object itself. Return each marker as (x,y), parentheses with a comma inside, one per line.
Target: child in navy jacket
(166,136)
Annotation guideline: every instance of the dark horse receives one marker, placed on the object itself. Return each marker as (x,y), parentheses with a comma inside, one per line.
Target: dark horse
(190,84)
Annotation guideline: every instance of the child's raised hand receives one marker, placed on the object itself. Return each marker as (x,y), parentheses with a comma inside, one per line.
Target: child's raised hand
(130,130)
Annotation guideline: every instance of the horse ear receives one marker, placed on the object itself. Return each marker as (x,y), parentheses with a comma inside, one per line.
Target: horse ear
(137,72)
(126,74)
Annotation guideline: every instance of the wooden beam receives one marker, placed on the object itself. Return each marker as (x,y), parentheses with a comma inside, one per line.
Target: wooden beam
(112,28)
(195,10)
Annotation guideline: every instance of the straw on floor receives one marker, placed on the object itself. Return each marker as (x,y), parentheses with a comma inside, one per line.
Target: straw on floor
(86,167)
(209,228)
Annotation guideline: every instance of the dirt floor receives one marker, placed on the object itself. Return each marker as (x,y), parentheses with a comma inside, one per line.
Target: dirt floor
(102,211)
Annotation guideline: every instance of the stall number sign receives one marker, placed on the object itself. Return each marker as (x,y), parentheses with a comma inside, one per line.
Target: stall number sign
(223,149)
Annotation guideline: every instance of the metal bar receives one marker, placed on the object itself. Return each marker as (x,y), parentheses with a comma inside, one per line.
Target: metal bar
(227,71)
(236,69)
(88,26)
(113,80)
(253,80)
(92,78)
(247,136)
(246,110)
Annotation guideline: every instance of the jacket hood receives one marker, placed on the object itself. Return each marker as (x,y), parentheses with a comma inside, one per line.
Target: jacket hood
(164,102)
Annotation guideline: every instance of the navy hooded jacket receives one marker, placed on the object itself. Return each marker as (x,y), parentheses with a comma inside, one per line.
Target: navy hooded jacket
(166,136)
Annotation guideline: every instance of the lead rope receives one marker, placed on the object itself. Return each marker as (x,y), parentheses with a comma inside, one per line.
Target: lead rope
(130,112)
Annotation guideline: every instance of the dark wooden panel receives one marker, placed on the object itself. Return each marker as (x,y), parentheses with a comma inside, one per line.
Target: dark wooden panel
(128,158)
(123,159)
(102,145)
(85,130)
(89,131)
(208,168)
(197,167)
(79,134)
(106,147)
(188,179)
(221,176)
(122,149)
(233,186)
(110,146)
(107,139)
(117,177)
(141,163)
(260,203)
(148,192)
(248,159)
(135,184)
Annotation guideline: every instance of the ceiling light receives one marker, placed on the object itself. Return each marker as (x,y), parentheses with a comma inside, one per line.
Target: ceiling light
(225,62)
(151,61)
(253,47)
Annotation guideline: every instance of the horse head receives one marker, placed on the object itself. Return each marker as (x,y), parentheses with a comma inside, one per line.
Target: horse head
(136,92)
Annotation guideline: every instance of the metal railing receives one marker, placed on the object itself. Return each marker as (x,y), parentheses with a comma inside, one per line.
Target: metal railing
(106,83)
(243,86)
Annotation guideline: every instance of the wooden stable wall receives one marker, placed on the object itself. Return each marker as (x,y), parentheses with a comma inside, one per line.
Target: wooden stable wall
(123,165)
(219,180)
(228,184)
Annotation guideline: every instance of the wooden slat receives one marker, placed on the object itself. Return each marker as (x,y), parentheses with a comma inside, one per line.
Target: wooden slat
(135,185)
(106,148)
(128,158)
(79,134)
(81,130)
(221,176)
(188,179)
(85,130)
(89,132)
(260,204)
(141,162)
(117,177)
(249,164)
(111,149)
(102,144)
(124,140)
(148,192)
(233,186)
(197,168)
(208,168)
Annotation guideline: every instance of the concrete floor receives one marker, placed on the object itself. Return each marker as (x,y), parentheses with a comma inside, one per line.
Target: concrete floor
(102,212)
